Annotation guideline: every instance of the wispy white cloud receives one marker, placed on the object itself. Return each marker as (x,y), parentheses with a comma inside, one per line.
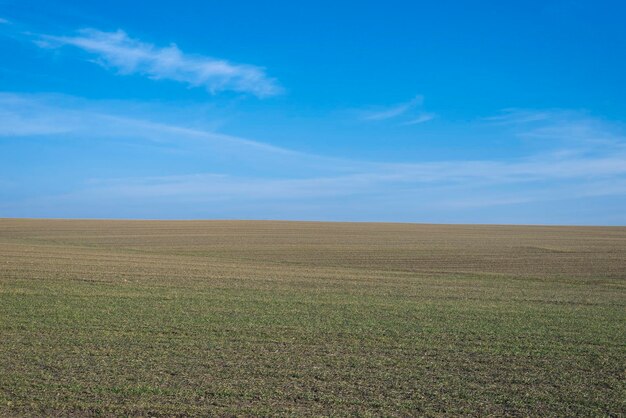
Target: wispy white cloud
(603,176)
(24,115)
(513,116)
(573,129)
(421,118)
(118,51)
(4,21)
(352,197)
(258,173)
(393,111)
(406,111)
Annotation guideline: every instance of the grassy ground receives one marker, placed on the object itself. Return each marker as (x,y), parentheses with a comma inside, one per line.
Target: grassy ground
(196,318)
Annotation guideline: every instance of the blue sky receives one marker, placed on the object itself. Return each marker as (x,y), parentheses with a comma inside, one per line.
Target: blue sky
(406,111)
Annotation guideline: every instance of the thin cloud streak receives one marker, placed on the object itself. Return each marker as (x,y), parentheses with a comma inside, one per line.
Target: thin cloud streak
(512,116)
(356,197)
(23,115)
(394,111)
(417,178)
(574,129)
(424,117)
(118,51)
(580,168)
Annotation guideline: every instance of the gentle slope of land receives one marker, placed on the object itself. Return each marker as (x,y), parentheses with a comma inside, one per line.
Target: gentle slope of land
(233,317)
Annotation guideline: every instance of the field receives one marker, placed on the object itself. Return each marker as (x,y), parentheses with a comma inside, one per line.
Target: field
(169,318)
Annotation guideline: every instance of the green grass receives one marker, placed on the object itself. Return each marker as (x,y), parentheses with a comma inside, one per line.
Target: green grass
(222,318)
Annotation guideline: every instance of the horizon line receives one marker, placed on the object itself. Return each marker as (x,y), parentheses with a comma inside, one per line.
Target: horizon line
(308,221)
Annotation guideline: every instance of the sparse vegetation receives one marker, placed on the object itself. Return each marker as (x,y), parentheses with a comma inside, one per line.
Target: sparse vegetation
(167,318)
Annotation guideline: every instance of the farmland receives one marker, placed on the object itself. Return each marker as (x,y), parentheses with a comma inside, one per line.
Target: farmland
(162,318)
